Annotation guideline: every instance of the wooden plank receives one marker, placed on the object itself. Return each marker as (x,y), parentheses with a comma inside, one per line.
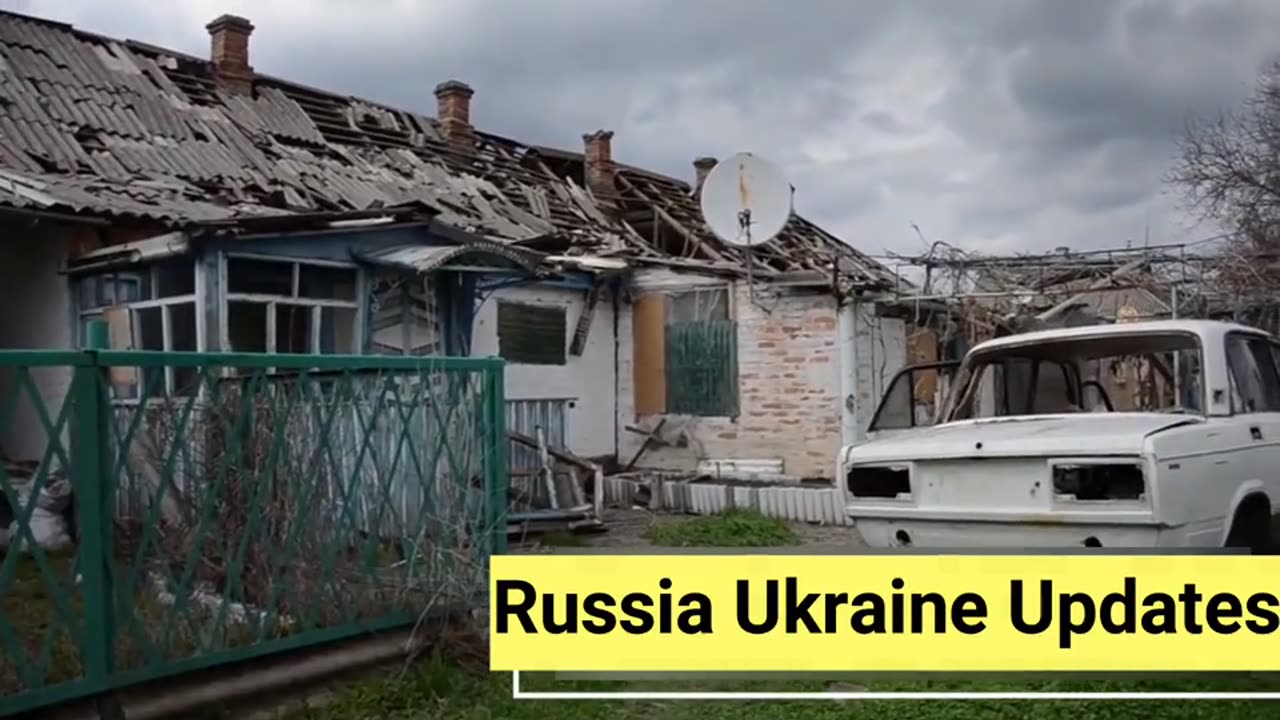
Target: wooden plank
(561,454)
(584,202)
(650,438)
(584,321)
(120,333)
(649,356)
(922,347)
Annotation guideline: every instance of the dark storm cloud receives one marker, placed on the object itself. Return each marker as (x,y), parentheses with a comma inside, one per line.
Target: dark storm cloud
(1148,67)
(1040,122)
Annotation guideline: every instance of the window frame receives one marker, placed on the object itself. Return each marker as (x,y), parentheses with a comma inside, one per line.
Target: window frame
(1235,389)
(718,310)
(133,273)
(272,301)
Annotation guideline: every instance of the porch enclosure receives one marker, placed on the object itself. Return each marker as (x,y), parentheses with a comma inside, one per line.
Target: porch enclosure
(266,502)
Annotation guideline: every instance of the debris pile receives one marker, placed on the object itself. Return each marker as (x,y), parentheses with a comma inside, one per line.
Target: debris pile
(566,492)
(52,516)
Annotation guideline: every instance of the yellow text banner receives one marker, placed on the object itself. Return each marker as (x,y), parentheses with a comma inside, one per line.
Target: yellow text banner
(884,612)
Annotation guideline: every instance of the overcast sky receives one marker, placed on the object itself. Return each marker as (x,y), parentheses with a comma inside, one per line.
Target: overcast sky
(996,125)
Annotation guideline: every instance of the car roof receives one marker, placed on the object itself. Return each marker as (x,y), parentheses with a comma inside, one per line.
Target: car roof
(1206,330)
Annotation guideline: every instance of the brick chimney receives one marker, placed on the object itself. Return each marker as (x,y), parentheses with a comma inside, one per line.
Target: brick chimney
(701,168)
(453,110)
(230,53)
(598,153)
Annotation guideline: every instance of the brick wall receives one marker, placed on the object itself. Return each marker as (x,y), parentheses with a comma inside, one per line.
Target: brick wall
(789,366)
(790,380)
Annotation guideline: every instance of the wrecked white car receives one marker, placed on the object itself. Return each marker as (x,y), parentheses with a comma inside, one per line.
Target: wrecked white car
(1143,434)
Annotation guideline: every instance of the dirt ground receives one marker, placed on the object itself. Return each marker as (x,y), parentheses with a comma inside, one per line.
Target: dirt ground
(627,528)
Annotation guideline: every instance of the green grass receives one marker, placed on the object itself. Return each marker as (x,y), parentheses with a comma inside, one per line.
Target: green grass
(734,528)
(27,608)
(440,691)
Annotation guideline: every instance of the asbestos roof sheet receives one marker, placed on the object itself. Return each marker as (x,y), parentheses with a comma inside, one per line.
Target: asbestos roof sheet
(121,129)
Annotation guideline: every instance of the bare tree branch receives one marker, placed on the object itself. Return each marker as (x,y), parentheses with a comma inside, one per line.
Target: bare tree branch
(1227,169)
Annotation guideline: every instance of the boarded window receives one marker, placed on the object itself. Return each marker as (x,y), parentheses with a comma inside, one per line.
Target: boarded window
(531,334)
(648,339)
(685,354)
(702,368)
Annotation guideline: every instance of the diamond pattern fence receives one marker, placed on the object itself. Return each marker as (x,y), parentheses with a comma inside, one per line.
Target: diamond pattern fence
(278,501)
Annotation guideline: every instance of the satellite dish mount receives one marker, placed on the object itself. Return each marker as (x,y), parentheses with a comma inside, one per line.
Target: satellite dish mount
(746,202)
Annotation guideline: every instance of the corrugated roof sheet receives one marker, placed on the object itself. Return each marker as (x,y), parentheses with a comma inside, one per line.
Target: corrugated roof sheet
(122,129)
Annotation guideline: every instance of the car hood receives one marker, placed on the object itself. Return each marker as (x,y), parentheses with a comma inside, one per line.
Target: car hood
(1041,435)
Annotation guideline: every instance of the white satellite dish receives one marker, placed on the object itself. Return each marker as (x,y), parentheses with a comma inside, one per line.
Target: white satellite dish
(746,201)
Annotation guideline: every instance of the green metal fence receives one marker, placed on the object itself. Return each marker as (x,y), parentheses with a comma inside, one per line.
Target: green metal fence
(263,503)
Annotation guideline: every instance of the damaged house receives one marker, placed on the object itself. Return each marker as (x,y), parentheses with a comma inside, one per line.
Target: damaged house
(709,367)
(199,205)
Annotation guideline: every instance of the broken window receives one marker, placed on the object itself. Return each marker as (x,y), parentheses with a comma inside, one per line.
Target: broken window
(404,314)
(1021,386)
(1255,383)
(532,334)
(1105,373)
(696,306)
(686,354)
(913,396)
(173,278)
(289,306)
(149,307)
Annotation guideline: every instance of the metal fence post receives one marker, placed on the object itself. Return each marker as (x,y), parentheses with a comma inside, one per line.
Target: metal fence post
(496,480)
(91,482)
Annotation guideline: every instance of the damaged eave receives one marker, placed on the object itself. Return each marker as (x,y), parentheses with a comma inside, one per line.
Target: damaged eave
(294,224)
(430,258)
(160,247)
(702,267)
(590,263)
(802,249)
(69,218)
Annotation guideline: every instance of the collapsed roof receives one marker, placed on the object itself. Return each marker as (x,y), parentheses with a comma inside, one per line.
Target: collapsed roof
(124,130)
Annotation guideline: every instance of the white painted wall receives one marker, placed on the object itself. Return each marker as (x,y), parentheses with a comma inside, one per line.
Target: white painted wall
(789,359)
(587,380)
(880,352)
(35,314)
(872,351)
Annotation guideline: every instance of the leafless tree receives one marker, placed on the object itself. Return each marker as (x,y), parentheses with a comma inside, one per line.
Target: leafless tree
(1227,169)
